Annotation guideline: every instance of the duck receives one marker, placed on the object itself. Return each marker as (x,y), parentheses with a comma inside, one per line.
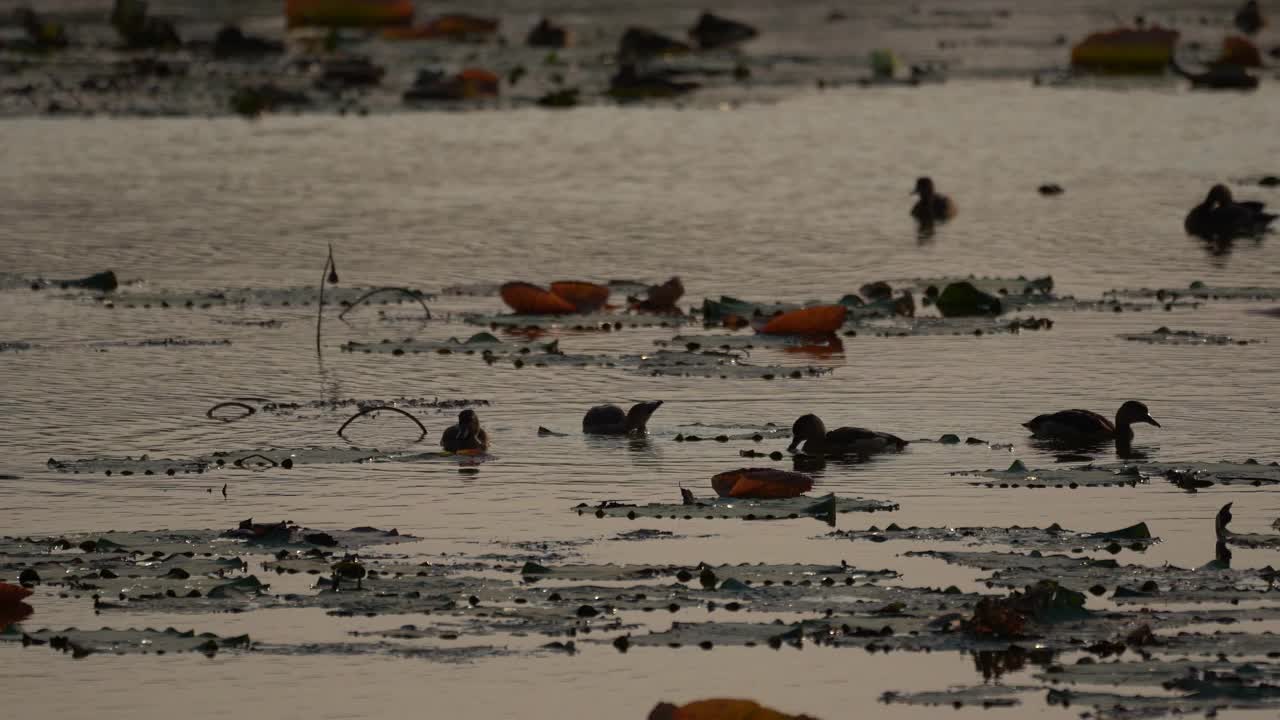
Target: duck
(611,420)
(809,431)
(548,35)
(466,435)
(1220,217)
(1087,427)
(1249,18)
(932,207)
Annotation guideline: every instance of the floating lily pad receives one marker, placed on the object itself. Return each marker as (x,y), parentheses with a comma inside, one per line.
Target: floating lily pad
(1157,672)
(750,341)
(1017,475)
(1165,336)
(823,508)
(708,576)
(81,643)
(1053,538)
(1019,285)
(1130,584)
(478,343)
(407,403)
(1200,291)
(603,322)
(1193,474)
(15,346)
(258,459)
(928,326)
(265,297)
(985,696)
(1206,697)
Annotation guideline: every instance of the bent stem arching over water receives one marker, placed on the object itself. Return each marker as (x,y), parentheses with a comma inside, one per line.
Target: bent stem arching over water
(328,275)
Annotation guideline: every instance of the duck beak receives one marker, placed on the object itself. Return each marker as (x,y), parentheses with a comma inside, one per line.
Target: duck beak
(795,443)
(1149,419)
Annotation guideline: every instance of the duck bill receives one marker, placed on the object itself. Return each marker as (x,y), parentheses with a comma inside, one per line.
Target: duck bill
(1151,420)
(794,444)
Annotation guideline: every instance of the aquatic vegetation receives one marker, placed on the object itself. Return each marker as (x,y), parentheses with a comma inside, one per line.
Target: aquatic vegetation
(1126,51)
(1199,291)
(82,643)
(1164,336)
(761,483)
(1017,475)
(264,297)
(814,320)
(257,459)
(1053,538)
(824,508)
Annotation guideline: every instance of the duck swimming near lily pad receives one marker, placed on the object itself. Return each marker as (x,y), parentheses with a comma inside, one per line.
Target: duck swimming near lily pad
(1084,427)
(466,435)
(611,420)
(810,436)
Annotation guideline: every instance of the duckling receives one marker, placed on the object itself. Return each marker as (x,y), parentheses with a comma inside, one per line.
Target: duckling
(466,435)
(1085,427)
(809,430)
(1220,217)
(932,207)
(349,568)
(610,420)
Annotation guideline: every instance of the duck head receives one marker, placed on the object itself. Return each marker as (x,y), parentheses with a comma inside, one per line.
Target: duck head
(468,425)
(924,187)
(1219,195)
(1134,412)
(805,428)
(638,415)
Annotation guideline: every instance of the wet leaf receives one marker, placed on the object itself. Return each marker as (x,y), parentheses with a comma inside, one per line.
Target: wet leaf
(266,297)
(258,459)
(720,709)
(1200,291)
(604,322)
(1017,475)
(985,696)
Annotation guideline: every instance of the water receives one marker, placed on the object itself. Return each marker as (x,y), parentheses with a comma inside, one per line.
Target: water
(800,199)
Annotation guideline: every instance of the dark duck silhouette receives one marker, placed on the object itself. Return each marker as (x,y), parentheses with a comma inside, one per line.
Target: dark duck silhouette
(712,32)
(1084,427)
(1249,18)
(932,207)
(466,435)
(1221,76)
(1221,218)
(611,420)
(809,434)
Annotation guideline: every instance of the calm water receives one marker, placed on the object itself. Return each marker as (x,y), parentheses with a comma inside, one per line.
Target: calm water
(800,199)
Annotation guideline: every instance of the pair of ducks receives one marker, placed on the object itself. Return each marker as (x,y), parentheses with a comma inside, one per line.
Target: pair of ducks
(1220,218)
(1066,427)
(599,420)
(810,436)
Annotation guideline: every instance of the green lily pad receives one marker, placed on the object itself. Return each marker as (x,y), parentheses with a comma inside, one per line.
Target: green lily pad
(1165,336)
(743,509)
(984,696)
(1053,538)
(264,297)
(81,643)
(1018,475)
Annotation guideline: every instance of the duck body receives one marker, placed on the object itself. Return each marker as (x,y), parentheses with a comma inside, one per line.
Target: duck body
(810,435)
(932,206)
(1088,427)
(466,435)
(712,32)
(612,420)
(1220,217)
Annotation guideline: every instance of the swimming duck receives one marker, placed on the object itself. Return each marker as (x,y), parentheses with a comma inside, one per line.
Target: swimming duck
(1220,217)
(809,430)
(1084,426)
(611,420)
(466,435)
(932,207)
(1249,18)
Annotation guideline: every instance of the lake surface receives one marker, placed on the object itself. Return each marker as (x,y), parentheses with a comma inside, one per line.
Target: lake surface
(804,198)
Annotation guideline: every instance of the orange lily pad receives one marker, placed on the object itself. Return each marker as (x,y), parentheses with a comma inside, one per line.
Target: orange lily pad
(528,299)
(348,13)
(816,320)
(720,709)
(12,594)
(585,296)
(761,483)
